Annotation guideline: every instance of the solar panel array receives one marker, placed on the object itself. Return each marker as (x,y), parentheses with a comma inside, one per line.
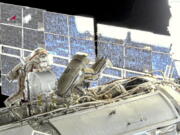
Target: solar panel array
(132,58)
(23,29)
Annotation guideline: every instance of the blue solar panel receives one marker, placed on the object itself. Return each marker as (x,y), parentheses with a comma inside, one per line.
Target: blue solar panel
(55,23)
(8,63)
(94,84)
(86,46)
(58,71)
(160,61)
(138,59)
(33,18)
(113,52)
(139,45)
(8,87)
(57,45)
(110,40)
(11,14)
(11,51)
(26,53)
(33,39)
(132,74)
(161,49)
(60,61)
(104,80)
(175,70)
(111,71)
(11,36)
(175,74)
(73,28)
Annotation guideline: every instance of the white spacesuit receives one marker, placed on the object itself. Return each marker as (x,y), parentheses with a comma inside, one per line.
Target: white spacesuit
(77,73)
(37,61)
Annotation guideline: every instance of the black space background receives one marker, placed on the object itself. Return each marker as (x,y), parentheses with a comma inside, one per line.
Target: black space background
(149,15)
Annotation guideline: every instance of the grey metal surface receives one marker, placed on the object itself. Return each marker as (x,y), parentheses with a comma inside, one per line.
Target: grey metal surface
(126,117)
(20,130)
(41,83)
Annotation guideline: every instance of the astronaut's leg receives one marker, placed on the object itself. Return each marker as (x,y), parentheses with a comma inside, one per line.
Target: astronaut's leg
(14,99)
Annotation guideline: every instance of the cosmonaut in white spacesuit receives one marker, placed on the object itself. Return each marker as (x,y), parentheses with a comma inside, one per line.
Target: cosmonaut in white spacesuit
(78,73)
(37,61)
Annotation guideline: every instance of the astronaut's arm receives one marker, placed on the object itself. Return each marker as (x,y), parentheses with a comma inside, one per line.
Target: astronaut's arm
(101,64)
(95,71)
(19,94)
(14,73)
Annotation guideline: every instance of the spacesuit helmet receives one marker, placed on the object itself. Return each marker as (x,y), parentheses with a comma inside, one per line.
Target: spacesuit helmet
(81,56)
(40,53)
